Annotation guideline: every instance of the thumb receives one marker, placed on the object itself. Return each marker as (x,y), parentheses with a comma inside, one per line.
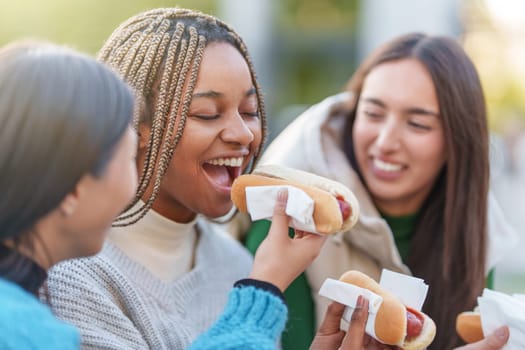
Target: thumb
(332,319)
(280,220)
(494,341)
(497,339)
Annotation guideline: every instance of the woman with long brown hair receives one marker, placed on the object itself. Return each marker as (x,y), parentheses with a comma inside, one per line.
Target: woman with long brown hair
(410,138)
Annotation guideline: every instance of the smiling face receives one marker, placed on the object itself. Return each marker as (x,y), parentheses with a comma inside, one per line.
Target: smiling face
(98,201)
(221,134)
(398,136)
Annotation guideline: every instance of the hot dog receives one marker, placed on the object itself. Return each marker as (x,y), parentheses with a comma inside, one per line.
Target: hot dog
(395,324)
(335,206)
(468,326)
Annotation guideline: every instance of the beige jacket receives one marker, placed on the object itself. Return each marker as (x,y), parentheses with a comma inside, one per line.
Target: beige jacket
(312,142)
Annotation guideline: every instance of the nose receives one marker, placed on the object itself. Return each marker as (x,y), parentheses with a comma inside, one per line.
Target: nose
(237,131)
(389,137)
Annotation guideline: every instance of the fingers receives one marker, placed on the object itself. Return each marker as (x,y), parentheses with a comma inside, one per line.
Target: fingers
(356,330)
(375,345)
(280,203)
(494,341)
(299,234)
(332,318)
(280,219)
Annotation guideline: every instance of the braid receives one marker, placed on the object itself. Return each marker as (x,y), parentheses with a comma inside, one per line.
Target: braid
(159,52)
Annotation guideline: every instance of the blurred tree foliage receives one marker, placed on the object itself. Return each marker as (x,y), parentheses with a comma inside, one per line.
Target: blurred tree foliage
(316,48)
(82,24)
(313,47)
(498,56)
(315,15)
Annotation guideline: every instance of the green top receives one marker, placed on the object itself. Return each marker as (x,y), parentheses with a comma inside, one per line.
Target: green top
(403,229)
(300,329)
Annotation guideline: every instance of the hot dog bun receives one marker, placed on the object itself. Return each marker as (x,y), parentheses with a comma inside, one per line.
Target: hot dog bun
(468,326)
(391,319)
(327,214)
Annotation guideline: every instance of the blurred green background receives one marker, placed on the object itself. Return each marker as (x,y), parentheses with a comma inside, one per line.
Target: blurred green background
(313,43)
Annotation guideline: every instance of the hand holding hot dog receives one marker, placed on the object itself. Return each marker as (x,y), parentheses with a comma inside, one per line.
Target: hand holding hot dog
(395,324)
(468,327)
(280,259)
(494,341)
(330,337)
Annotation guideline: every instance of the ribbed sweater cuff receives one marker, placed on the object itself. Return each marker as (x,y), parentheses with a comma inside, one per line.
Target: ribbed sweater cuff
(257,309)
(267,286)
(253,318)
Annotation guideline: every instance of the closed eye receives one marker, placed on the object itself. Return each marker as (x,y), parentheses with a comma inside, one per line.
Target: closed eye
(419,126)
(251,114)
(205,117)
(373,115)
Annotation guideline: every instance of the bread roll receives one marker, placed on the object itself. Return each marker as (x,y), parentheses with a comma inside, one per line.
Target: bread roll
(468,326)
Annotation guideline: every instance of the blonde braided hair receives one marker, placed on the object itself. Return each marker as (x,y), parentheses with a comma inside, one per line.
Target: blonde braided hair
(158,52)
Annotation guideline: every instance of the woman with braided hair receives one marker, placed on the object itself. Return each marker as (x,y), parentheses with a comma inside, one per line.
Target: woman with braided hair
(164,274)
(68,170)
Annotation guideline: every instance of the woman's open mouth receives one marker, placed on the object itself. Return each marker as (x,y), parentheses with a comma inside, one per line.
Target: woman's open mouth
(222,171)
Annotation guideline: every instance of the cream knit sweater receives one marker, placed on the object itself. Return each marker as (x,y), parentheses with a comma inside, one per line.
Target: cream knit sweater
(119,304)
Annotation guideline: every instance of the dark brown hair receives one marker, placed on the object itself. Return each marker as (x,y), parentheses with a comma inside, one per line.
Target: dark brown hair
(61,116)
(449,244)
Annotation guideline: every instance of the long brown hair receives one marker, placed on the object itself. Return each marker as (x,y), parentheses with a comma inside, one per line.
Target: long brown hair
(158,52)
(449,244)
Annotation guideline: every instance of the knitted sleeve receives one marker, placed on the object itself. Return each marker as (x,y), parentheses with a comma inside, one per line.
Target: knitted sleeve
(254,318)
(30,331)
(27,324)
(89,296)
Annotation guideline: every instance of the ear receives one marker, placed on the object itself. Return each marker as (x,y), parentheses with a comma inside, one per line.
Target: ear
(144,134)
(69,204)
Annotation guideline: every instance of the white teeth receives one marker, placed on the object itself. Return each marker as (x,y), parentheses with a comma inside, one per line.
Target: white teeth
(226,161)
(386,166)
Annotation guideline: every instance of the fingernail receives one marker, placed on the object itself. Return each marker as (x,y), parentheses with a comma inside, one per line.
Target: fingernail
(501,332)
(360,302)
(282,194)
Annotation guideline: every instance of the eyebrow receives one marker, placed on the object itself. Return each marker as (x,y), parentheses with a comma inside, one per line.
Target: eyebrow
(207,94)
(216,94)
(414,110)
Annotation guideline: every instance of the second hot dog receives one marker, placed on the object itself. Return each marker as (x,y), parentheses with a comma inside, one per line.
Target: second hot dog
(395,324)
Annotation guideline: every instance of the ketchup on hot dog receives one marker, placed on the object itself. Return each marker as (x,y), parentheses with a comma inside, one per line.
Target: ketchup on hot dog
(414,323)
(344,207)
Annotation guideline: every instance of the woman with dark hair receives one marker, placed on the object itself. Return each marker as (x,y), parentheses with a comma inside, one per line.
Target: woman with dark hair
(410,138)
(65,176)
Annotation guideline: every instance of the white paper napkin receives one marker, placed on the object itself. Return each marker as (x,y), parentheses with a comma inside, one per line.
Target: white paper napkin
(411,290)
(347,294)
(498,309)
(261,200)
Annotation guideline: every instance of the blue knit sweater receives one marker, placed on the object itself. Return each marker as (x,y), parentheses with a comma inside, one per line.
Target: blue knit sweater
(26,323)
(254,318)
